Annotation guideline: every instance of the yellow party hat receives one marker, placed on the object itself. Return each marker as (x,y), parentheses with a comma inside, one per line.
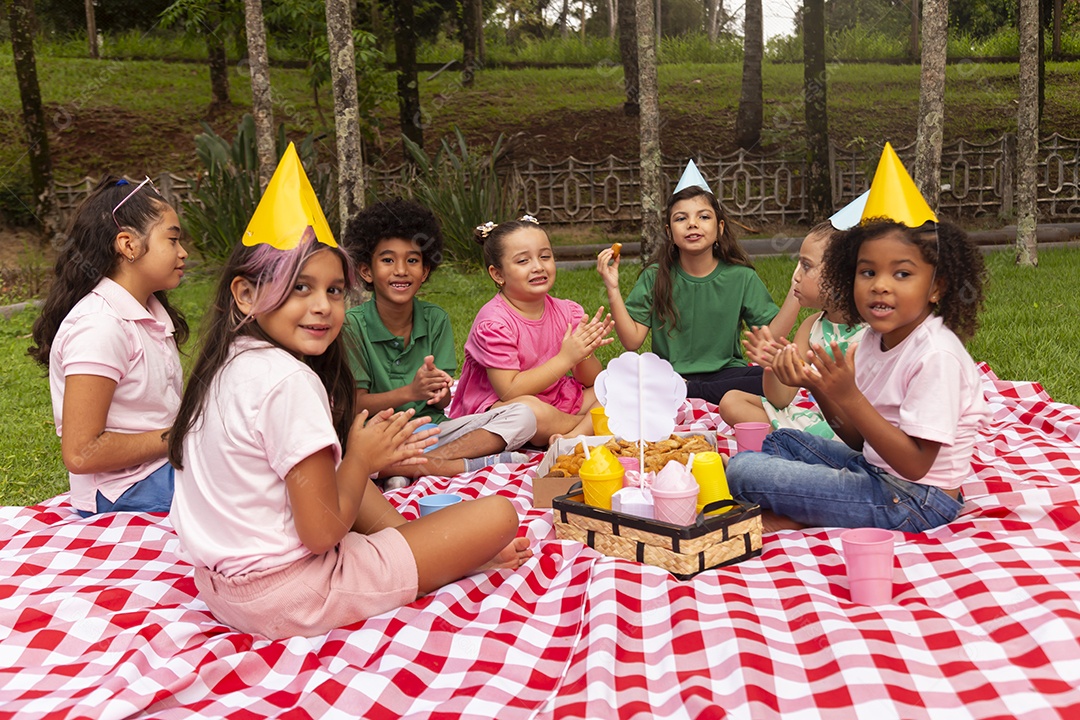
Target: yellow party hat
(288,208)
(893,194)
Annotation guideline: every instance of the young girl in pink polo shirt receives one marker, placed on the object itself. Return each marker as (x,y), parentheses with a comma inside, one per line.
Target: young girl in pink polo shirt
(109,338)
(526,346)
(274,506)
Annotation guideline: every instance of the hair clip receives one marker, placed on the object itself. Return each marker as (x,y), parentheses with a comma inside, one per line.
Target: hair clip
(121,181)
(485,229)
(528,219)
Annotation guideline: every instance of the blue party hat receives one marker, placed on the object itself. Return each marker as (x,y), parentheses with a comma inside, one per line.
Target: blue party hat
(692,177)
(850,215)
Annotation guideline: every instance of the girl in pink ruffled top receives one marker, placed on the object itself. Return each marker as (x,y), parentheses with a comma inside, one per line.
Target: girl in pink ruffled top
(526,346)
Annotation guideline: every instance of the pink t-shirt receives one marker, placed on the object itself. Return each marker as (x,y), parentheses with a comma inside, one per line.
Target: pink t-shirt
(110,334)
(501,338)
(265,412)
(928,386)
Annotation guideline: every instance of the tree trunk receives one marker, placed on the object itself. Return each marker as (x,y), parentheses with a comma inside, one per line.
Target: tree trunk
(91,29)
(652,227)
(931,100)
(658,20)
(262,104)
(564,30)
(611,25)
(749,120)
(1042,61)
(714,9)
(21,22)
(468,42)
(1027,135)
(582,20)
(1056,53)
(408,84)
(218,60)
(819,182)
(913,39)
(481,44)
(346,109)
(628,53)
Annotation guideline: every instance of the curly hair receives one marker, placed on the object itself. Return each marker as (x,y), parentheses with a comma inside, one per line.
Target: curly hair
(666,256)
(956,259)
(89,253)
(395,218)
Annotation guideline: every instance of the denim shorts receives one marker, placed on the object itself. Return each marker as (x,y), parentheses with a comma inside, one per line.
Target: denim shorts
(824,483)
(151,494)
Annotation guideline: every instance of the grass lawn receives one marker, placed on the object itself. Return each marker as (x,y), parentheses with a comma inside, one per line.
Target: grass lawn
(1030,330)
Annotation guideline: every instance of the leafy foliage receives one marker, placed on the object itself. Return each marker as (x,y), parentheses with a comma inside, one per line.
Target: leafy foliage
(373,86)
(229,191)
(299,26)
(463,189)
(200,16)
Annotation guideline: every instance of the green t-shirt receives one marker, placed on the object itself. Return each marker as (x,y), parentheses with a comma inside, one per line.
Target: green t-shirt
(381,362)
(710,310)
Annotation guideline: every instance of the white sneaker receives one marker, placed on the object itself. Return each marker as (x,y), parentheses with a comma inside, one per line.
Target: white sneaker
(396,482)
(520,458)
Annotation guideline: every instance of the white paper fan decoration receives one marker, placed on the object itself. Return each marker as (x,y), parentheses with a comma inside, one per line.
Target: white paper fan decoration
(641,395)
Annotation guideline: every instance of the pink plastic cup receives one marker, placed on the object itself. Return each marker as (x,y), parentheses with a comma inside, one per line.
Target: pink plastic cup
(750,435)
(868,553)
(678,507)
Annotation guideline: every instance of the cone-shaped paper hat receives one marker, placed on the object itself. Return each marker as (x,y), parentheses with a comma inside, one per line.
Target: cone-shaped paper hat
(288,208)
(691,177)
(893,194)
(850,215)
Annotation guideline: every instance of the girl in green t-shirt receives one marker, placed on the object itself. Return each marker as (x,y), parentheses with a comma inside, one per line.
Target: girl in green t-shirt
(695,294)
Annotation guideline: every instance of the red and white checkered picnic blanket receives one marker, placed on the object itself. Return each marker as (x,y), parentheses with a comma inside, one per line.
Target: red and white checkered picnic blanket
(99,619)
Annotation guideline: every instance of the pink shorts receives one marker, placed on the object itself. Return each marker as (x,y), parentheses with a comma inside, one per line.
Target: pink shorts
(363,576)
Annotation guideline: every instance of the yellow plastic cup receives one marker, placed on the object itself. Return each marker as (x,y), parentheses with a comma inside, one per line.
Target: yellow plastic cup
(708,470)
(599,421)
(601,477)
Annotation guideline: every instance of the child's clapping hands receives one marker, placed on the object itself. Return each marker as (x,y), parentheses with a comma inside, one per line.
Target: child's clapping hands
(591,333)
(389,438)
(431,383)
(760,346)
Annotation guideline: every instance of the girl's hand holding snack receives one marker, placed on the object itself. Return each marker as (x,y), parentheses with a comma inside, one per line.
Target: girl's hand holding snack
(390,438)
(607,264)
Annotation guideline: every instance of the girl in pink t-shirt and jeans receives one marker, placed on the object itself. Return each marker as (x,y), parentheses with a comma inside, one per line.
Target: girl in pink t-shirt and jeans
(109,337)
(526,346)
(908,408)
(274,506)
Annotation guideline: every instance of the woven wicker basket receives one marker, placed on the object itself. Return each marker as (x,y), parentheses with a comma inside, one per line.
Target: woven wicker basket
(684,551)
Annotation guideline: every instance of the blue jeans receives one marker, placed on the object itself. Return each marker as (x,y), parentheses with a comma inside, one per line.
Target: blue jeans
(151,494)
(824,483)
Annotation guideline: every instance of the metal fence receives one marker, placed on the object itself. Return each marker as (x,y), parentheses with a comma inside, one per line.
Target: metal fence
(977,181)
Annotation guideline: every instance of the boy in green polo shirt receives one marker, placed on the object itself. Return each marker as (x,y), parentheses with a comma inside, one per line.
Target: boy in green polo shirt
(401,349)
